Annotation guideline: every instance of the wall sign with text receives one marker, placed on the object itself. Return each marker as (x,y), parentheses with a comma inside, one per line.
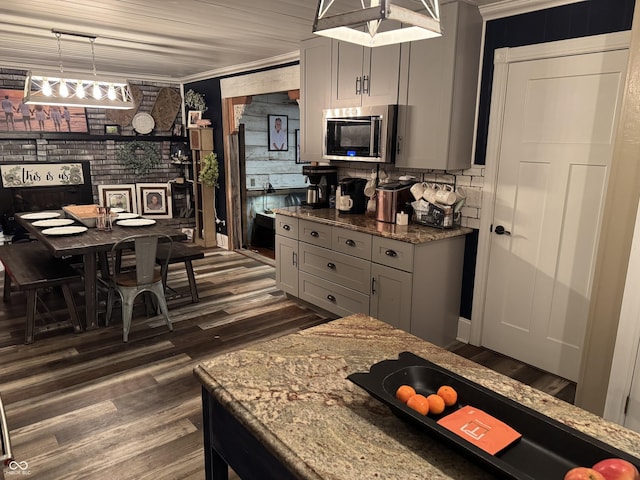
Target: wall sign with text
(41,175)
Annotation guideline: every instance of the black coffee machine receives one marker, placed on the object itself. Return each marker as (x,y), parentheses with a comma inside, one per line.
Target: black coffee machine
(321,180)
(352,198)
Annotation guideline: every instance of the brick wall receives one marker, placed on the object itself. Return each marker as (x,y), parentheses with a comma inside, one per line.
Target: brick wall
(99,150)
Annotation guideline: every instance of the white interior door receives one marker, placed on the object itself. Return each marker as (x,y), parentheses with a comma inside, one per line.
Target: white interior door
(559,120)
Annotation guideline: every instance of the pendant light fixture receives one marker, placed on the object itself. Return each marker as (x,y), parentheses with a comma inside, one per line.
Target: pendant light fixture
(373,23)
(86,91)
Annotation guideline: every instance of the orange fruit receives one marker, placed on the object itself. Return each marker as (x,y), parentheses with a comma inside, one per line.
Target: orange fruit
(448,394)
(436,404)
(405,392)
(419,403)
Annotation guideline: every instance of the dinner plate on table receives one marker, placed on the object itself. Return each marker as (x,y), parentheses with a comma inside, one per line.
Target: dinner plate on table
(127,215)
(72,230)
(136,222)
(53,222)
(40,215)
(117,210)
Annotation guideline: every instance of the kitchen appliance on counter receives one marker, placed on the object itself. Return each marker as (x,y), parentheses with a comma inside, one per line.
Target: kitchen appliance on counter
(321,180)
(360,134)
(392,198)
(352,198)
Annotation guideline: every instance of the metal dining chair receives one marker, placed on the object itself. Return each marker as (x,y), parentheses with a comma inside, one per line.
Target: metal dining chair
(145,277)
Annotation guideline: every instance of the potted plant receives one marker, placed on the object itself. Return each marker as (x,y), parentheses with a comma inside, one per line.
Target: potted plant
(209,170)
(195,101)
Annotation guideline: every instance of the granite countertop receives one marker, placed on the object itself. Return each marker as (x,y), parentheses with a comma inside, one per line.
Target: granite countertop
(293,395)
(412,233)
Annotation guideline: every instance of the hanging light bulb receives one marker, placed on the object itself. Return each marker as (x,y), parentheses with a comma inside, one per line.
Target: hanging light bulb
(64,89)
(46,87)
(111,92)
(80,89)
(96,91)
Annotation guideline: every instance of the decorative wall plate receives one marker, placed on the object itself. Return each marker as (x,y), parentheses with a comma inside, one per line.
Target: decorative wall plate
(143,123)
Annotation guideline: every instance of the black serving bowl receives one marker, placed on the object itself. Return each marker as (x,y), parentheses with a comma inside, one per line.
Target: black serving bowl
(547,449)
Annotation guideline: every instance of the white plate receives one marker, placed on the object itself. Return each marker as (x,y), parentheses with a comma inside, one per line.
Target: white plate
(40,215)
(136,222)
(117,210)
(126,215)
(53,222)
(64,230)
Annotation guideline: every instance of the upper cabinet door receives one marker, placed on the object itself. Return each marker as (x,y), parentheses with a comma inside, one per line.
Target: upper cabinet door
(315,95)
(438,88)
(346,82)
(364,76)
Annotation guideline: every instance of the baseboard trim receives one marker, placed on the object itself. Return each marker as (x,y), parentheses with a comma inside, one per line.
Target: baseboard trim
(464,330)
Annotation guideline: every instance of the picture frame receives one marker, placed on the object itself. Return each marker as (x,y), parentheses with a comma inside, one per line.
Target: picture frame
(121,196)
(154,200)
(18,117)
(278,126)
(192,118)
(112,129)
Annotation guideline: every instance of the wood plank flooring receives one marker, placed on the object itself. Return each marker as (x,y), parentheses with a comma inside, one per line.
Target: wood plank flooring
(88,406)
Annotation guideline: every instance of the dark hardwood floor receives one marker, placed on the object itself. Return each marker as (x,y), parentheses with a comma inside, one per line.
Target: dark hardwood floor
(88,406)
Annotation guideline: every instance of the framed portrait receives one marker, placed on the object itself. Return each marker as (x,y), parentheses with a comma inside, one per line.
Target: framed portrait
(278,128)
(154,200)
(112,130)
(192,118)
(16,116)
(119,196)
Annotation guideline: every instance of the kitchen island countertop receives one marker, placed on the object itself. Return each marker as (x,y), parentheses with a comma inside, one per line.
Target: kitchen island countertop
(293,396)
(412,233)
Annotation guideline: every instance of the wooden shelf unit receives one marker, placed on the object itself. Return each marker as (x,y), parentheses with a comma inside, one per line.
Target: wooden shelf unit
(201,144)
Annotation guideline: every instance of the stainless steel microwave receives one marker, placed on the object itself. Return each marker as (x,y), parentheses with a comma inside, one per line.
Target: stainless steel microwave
(360,134)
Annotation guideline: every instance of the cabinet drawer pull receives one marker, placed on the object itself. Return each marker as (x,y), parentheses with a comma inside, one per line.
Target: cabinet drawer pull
(358,80)
(286,227)
(391,253)
(332,266)
(365,85)
(373,285)
(350,242)
(295,259)
(314,234)
(331,298)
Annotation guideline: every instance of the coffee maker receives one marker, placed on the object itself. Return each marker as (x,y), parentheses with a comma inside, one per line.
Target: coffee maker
(322,179)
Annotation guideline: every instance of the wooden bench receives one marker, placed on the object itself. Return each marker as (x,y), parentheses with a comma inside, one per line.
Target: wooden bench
(31,267)
(181,253)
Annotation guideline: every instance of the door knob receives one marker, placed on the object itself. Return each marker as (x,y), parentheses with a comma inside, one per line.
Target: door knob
(501,231)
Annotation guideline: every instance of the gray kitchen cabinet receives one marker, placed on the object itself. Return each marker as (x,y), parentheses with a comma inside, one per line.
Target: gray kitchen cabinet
(390,299)
(412,286)
(363,76)
(315,94)
(287,264)
(438,86)
(287,230)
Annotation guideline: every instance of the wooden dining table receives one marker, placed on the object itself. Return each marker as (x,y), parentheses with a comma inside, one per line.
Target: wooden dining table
(89,245)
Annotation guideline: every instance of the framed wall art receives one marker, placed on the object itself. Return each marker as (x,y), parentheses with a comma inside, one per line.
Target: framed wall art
(118,196)
(154,200)
(278,128)
(112,130)
(192,118)
(19,117)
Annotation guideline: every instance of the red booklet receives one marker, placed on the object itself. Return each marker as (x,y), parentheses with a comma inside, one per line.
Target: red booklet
(480,428)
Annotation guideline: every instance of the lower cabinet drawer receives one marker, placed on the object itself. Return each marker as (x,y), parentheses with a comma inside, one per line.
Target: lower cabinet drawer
(393,253)
(346,270)
(334,298)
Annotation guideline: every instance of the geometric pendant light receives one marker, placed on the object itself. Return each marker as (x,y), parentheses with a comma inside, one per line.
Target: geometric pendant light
(373,23)
(87,91)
